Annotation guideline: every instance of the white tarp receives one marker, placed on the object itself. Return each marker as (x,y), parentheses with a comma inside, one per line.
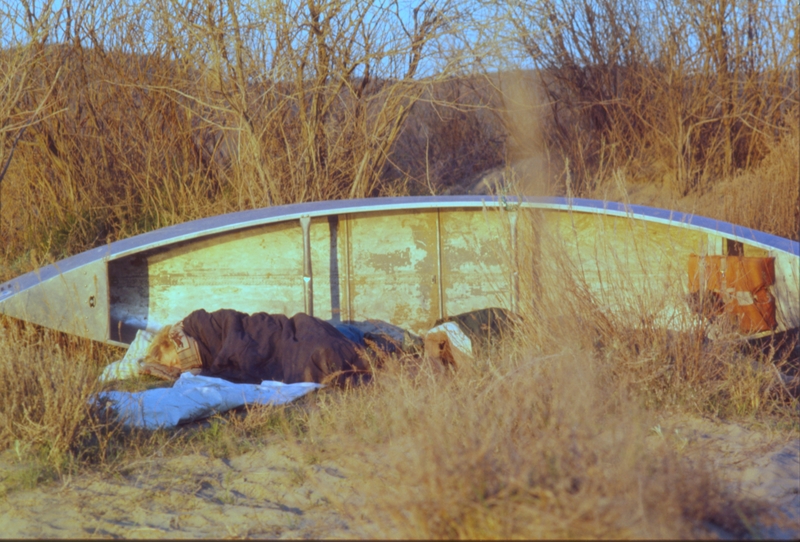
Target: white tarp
(194,397)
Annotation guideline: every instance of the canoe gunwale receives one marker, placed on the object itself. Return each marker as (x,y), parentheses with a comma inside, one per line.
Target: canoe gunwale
(269,215)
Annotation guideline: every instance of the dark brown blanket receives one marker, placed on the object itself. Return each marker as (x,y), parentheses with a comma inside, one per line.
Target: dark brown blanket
(251,348)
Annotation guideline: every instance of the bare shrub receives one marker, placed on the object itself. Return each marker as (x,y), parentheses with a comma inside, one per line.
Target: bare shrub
(684,93)
(453,134)
(765,197)
(47,381)
(172,111)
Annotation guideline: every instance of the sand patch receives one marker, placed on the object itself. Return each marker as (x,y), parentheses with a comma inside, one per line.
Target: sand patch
(756,464)
(263,494)
(278,491)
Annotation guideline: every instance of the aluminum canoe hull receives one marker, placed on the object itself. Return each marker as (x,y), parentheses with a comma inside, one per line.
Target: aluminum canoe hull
(407,261)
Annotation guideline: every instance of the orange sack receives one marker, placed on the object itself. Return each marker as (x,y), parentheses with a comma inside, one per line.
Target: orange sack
(741,284)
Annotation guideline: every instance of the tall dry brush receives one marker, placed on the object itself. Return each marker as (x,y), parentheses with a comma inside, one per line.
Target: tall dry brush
(681,93)
(170,111)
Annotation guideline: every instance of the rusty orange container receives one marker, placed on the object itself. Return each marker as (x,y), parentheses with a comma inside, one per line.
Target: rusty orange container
(748,281)
(742,283)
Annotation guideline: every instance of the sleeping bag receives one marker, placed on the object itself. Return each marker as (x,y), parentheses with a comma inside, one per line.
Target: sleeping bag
(252,348)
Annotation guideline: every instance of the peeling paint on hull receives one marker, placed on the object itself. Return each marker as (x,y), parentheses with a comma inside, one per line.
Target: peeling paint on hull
(407,261)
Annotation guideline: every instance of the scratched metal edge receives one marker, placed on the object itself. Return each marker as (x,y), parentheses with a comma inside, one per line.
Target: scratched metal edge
(256,217)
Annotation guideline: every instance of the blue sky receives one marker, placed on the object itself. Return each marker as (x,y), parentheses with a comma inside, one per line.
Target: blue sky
(13,19)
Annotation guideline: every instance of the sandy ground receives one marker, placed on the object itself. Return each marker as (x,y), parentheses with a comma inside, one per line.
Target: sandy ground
(755,464)
(260,494)
(269,493)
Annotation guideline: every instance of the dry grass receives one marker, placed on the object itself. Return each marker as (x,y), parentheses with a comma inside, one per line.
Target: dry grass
(765,197)
(112,134)
(637,321)
(523,444)
(173,111)
(553,434)
(687,92)
(47,380)
(169,112)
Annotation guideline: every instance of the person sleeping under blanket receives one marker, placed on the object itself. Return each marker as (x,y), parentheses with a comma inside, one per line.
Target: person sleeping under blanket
(252,348)
(244,348)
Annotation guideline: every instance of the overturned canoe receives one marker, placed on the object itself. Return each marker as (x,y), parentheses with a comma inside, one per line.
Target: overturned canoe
(408,261)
